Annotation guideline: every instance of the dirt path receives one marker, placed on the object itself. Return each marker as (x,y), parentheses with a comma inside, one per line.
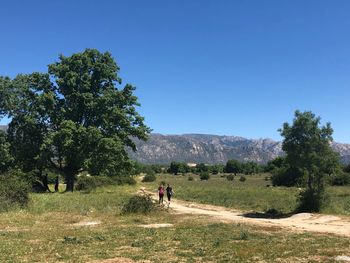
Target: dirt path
(297,222)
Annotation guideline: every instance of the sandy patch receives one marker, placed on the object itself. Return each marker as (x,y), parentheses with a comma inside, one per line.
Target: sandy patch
(119,260)
(87,223)
(343,258)
(13,229)
(156,225)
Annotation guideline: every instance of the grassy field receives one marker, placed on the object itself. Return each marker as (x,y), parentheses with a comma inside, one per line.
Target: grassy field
(253,194)
(52,230)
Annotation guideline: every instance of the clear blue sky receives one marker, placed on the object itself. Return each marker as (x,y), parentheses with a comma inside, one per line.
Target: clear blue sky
(219,67)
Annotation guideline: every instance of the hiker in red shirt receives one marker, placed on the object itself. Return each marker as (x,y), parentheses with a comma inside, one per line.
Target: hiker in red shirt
(161,193)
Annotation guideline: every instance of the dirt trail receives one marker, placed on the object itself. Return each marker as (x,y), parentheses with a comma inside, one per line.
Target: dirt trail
(297,222)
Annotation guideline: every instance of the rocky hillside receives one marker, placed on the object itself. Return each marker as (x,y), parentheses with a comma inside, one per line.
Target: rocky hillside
(196,148)
(202,148)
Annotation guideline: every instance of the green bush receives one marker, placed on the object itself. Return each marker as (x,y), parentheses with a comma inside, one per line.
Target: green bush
(190,178)
(138,204)
(311,200)
(287,176)
(230,177)
(121,180)
(340,179)
(14,190)
(242,179)
(204,176)
(149,178)
(88,183)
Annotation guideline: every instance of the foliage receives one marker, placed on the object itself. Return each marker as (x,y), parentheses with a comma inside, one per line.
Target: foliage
(278,162)
(190,178)
(138,204)
(340,179)
(308,150)
(242,179)
(14,190)
(230,177)
(233,166)
(5,156)
(178,167)
(346,168)
(201,167)
(149,178)
(248,168)
(217,168)
(138,168)
(311,200)
(287,176)
(204,176)
(75,117)
(88,183)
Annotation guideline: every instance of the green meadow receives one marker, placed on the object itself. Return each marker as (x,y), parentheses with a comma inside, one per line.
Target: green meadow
(89,227)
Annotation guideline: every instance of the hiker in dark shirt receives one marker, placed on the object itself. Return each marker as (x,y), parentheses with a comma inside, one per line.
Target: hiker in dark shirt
(45,183)
(169,192)
(56,184)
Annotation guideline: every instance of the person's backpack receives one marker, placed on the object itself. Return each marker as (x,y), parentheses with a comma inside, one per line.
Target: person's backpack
(161,190)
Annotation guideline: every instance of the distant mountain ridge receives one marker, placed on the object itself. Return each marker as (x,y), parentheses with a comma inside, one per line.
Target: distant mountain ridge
(204,148)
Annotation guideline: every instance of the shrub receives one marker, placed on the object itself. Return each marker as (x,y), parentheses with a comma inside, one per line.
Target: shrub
(149,178)
(120,180)
(273,212)
(88,183)
(230,177)
(311,200)
(138,204)
(190,178)
(204,176)
(243,235)
(340,179)
(287,176)
(14,190)
(242,179)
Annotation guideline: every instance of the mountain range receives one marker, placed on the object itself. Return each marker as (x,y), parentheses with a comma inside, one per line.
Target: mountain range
(203,148)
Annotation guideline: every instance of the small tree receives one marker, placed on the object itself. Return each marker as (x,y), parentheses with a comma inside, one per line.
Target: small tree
(307,145)
(233,166)
(201,167)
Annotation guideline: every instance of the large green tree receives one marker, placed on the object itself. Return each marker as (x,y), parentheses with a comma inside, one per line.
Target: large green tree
(75,117)
(307,147)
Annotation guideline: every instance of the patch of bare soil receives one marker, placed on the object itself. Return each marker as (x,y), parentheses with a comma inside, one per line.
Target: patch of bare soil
(119,260)
(87,223)
(12,229)
(343,258)
(156,225)
(297,222)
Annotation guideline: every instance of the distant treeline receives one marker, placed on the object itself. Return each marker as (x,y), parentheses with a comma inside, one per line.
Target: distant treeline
(281,172)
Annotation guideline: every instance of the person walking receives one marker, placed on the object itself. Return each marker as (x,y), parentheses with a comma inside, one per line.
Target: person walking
(161,193)
(169,192)
(57,182)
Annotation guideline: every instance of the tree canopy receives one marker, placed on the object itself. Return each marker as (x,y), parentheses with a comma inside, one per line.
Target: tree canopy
(74,117)
(307,147)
